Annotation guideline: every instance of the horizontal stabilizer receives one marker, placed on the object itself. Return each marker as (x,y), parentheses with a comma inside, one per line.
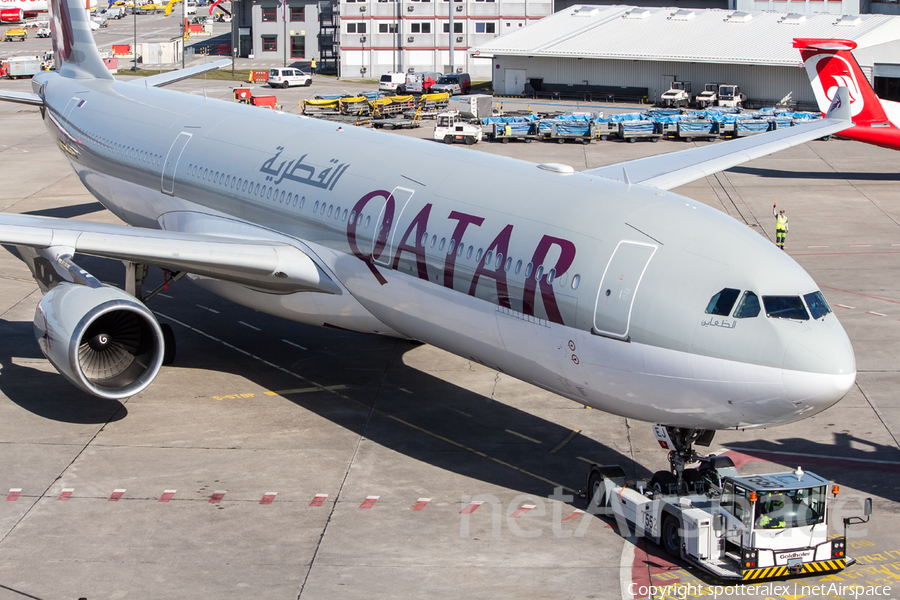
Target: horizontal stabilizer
(21,97)
(172,76)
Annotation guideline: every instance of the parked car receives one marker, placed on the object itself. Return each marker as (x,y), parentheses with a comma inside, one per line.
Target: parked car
(393,82)
(285,77)
(454,84)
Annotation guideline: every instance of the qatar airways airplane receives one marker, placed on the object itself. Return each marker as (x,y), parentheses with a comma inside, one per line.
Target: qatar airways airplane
(831,64)
(601,285)
(16,11)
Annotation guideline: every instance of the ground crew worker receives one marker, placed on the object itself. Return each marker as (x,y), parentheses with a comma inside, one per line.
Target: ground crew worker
(312,66)
(781,226)
(772,512)
(507,131)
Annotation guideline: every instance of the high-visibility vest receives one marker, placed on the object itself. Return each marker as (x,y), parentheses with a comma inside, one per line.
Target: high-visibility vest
(781,223)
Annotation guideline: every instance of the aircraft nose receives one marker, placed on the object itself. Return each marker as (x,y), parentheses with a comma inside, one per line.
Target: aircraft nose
(819,366)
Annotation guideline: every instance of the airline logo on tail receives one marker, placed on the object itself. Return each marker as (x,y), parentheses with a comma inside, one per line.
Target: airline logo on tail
(827,72)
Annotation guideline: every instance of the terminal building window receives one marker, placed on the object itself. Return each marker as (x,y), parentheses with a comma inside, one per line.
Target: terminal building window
(356,27)
(420,28)
(269,13)
(387,28)
(298,13)
(457,27)
(485,28)
(270,43)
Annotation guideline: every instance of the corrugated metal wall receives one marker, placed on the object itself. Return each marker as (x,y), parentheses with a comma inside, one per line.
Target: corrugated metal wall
(758,82)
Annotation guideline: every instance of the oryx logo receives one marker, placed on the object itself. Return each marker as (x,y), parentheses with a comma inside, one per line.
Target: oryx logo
(835,104)
(827,72)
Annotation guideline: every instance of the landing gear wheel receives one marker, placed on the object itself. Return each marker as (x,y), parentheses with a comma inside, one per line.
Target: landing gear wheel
(168,344)
(670,538)
(448,139)
(596,491)
(661,482)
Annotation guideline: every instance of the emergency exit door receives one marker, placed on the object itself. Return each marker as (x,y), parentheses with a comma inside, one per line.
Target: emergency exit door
(615,299)
(168,175)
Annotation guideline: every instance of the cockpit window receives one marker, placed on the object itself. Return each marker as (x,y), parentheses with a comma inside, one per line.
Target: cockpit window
(818,308)
(785,307)
(748,306)
(721,303)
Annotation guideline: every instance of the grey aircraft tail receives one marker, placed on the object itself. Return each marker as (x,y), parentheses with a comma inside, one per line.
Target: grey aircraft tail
(73,42)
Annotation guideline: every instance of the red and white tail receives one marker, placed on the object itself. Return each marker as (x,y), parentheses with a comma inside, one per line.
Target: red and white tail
(829,64)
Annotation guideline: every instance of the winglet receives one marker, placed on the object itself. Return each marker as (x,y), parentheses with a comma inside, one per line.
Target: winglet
(840,105)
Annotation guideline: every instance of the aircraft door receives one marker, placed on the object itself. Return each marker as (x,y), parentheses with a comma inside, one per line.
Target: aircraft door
(612,312)
(385,232)
(167,184)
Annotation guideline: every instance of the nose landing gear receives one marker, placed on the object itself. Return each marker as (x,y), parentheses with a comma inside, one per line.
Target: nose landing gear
(680,443)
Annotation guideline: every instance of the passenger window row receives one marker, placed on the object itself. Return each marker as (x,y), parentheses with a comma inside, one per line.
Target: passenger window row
(777,307)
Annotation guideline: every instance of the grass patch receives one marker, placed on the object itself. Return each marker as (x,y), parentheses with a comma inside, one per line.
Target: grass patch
(219,74)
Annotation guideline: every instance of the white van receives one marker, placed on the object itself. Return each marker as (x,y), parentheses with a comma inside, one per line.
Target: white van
(285,77)
(393,81)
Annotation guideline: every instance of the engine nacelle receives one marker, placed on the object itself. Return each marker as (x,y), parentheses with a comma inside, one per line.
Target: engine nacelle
(100,339)
(11,15)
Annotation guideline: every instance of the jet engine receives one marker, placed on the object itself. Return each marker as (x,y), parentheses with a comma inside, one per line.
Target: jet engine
(99,338)
(11,15)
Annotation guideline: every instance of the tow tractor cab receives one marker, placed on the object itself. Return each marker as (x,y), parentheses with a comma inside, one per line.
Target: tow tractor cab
(678,95)
(746,528)
(730,96)
(708,96)
(451,128)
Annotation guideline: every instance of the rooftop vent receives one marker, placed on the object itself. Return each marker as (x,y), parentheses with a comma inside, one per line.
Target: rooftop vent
(738,17)
(637,13)
(682,15)
(848,20)
(586,11)
(793,19)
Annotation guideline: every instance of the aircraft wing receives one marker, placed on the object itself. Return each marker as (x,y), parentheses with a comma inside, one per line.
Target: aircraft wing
(261,264)
(173,76)
(21,97)
(667,171)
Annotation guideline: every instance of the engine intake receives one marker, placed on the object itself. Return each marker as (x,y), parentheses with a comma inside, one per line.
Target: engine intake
(101,339)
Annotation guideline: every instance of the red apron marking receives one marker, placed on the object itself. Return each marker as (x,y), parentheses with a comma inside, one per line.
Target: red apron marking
(420,504)
(217,497)
(268,497)
(470,507)
(369,502)
(319,500)
(114,497)
(167,495)
(13,494)
(522,511)
(578,512)
(66,494)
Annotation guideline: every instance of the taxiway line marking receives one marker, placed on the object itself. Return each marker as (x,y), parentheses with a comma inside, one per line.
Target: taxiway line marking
(306,390)
(420,504)
(14,494)
(65,494)
(369,502)
(268,497)
(523,436)
(290,343)
(522,511)
(207,308)
(566,441)
(825,287)
(114,497)
(860,245)
(844,306)
(365,406)
(253,327)
(318,500)
(587,460)
(877,314)
(469,508)
(575,514)
(817,246)
(167,495)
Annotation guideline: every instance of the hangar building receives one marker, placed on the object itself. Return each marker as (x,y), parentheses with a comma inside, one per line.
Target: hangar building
(651,47)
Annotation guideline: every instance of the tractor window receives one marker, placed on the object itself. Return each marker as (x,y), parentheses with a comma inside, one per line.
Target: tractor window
(721,303)
(790,508)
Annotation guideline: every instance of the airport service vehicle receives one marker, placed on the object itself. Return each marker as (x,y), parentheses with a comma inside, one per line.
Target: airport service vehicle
(708,96)
(677,96)
(393,82)
(43,32)
(626,297)
(23,66)
(454,84)
(829,64)
(450,128)
(15,35)
(286,77)
(115,12)
(421,83)
(730,96)
(473,106)
(747,528)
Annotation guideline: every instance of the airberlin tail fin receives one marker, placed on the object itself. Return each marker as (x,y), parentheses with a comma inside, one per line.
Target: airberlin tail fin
(829,65)
(73,42)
